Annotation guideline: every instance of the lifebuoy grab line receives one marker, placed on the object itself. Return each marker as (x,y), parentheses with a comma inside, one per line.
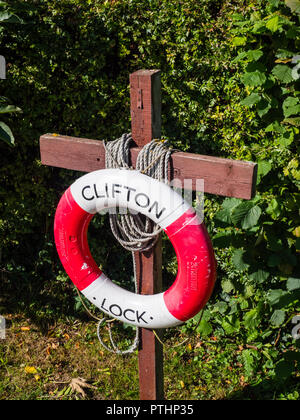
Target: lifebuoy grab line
(111,188)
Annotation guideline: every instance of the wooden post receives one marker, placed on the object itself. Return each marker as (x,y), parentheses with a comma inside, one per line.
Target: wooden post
(145,98)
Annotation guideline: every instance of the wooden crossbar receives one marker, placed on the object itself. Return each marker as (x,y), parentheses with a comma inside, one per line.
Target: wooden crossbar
(225,177)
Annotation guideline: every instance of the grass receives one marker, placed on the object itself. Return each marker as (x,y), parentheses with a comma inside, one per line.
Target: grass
(39,364)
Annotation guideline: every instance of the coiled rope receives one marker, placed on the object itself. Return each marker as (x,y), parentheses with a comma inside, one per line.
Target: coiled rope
(133,231)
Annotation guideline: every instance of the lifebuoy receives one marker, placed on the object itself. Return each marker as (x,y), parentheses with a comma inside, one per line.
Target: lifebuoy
(129,189)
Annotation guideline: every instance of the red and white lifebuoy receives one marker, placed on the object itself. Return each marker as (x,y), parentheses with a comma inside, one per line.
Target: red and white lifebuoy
(111,188)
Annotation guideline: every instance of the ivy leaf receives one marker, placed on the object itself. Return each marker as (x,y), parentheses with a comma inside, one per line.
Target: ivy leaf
(275,126)
(286,139)
(6,134)
(230,324)
(283,73)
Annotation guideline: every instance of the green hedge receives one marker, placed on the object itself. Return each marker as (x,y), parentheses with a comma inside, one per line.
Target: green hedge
(230,88)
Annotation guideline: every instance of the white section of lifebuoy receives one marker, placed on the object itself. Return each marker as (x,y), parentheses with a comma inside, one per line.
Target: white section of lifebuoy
(147,311)
(128,189)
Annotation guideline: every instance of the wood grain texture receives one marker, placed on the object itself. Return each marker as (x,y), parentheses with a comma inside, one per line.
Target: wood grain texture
(225,177)
(149,279)
(145,106)
(145,97)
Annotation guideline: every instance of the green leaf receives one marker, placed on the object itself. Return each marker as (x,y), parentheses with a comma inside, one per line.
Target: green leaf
(239,41)
(9,108)
(221,307)
(227,286)
(251,100)
(263,107)
(252,318)
(274,210)
(276,295)
(293,284)
(238,260)
(277,318)
(263,168)
(259,276)
(254,78)
(6,135)
(283,73)
(291,106)
(275,126)
(248,361)
(294,5)
(8,17)
(292,121)
(272,23)
(224,216)
(251,218)
(254,54)
(247,214)
(204,328)
(286,140)
(230,324)
(230,203)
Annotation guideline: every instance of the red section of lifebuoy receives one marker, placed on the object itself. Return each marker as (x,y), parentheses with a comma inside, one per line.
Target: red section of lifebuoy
(70,233)
(196,267)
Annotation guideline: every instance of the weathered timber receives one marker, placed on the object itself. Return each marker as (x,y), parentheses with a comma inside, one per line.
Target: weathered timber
(225,177)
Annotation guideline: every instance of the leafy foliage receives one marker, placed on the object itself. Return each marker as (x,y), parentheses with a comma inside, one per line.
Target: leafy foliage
(6,135)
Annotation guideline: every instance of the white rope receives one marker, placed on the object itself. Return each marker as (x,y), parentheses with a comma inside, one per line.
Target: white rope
(135,232)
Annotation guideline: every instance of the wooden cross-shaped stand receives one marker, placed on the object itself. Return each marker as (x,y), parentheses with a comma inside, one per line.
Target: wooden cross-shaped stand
(221,177)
